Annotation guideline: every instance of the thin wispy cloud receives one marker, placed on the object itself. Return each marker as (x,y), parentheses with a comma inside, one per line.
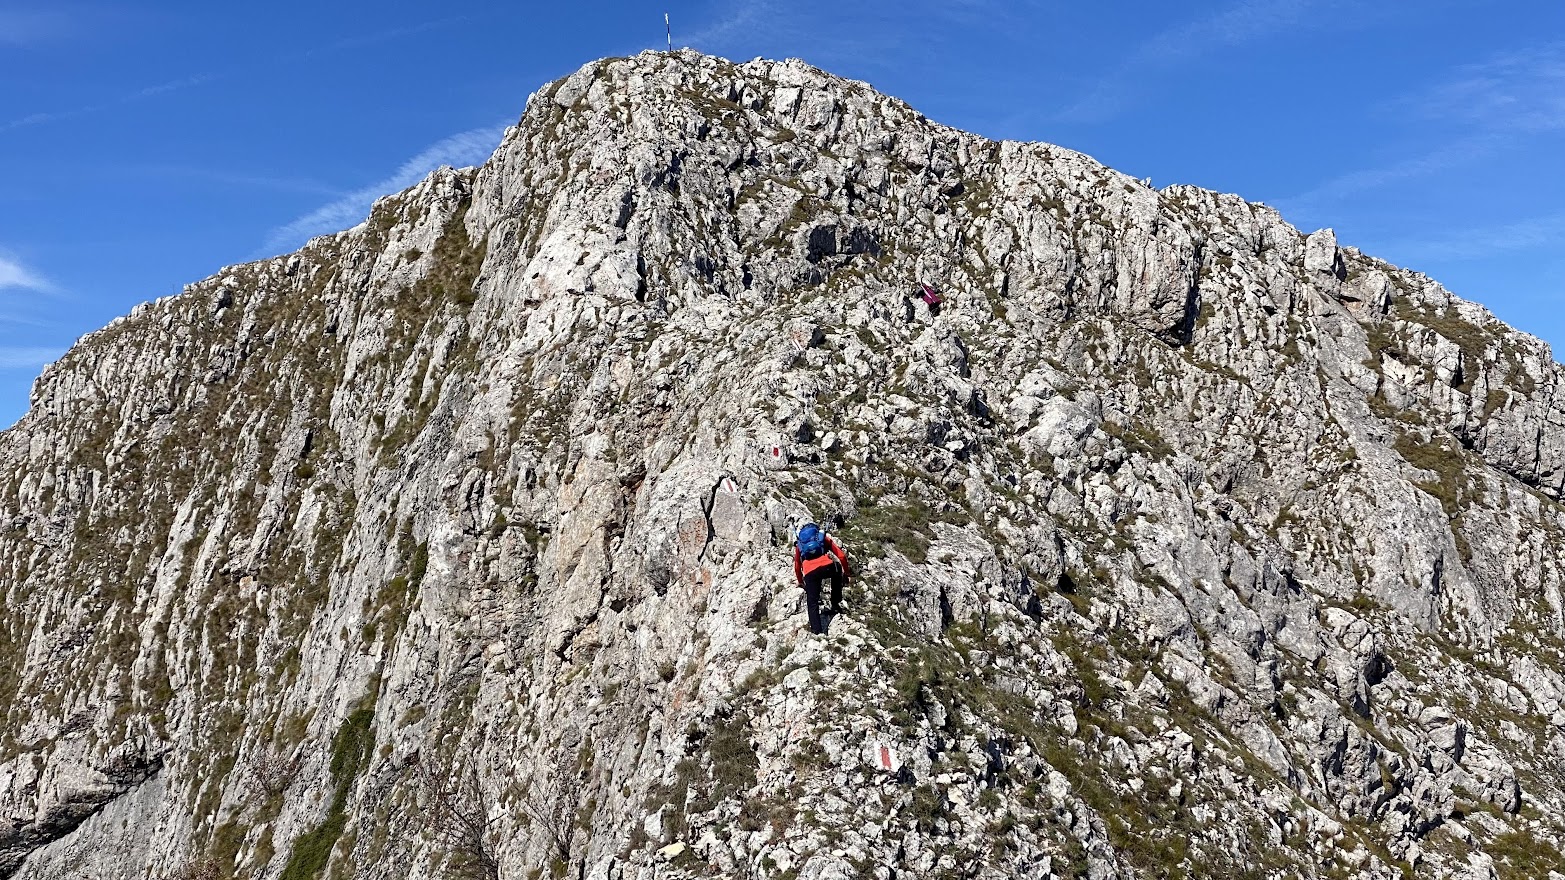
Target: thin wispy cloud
(459,150)
(1479,243)
(1240,24)
(15,276)
(38,118)
(56,116)
(11,319)
(231,179)
(1519,91)
(1452,155)
(172,86)
(19,27)
(861,39)
(743,18)
(141,94)
(383,36)
(860,32)
(198,79)
(27,357)
(1479,112)
(1233,26)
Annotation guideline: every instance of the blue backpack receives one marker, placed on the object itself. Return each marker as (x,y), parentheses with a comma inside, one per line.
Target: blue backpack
(812,541)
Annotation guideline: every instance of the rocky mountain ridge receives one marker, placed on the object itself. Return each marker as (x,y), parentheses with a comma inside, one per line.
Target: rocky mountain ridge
(457,543)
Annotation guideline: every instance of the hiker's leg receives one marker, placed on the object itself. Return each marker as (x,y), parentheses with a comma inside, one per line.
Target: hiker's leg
(812,601)
(836,588)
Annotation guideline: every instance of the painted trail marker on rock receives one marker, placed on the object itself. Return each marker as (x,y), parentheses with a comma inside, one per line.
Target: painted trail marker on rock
(774,455)
(934,299)
(727,486)
(886,758)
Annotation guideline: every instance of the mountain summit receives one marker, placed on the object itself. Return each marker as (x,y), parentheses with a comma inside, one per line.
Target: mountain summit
(459,543)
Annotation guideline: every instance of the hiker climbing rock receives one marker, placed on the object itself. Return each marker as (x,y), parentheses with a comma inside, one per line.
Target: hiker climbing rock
(817,557)
(932,299)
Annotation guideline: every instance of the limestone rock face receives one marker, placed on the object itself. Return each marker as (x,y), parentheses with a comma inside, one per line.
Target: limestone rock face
(458,543)
(1321,255)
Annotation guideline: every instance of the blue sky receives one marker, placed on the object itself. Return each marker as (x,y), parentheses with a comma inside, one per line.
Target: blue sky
(146,145)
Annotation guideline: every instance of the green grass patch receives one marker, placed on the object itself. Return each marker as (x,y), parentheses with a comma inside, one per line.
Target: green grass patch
(903,525)
(351,750)
(1518,855)
(1441,457)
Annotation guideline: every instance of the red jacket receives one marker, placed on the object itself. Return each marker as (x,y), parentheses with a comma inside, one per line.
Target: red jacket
(834,553)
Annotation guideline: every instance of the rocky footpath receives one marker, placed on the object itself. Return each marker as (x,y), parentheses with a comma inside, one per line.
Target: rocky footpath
(457,544)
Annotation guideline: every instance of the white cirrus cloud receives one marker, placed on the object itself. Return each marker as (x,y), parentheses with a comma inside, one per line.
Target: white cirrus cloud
(27,357)
(25,27)
(1457,153)
(1244,22)
(743,19)
(1520,91)
(459,150)
(1486,241)
(14,275)
(1478,112)
(49,116)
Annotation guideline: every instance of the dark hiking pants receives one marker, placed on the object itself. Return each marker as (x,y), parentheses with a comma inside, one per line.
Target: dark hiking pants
(812,593)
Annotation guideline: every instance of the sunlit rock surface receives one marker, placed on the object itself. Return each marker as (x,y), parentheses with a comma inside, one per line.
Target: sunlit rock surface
(457,544)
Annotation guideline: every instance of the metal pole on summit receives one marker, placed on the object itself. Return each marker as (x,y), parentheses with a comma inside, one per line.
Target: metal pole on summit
(668,31)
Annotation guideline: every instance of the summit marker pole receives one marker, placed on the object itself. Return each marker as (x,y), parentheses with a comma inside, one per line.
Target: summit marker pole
(668,31)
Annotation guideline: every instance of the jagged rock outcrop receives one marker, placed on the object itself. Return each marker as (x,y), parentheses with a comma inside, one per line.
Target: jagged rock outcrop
(458,542)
